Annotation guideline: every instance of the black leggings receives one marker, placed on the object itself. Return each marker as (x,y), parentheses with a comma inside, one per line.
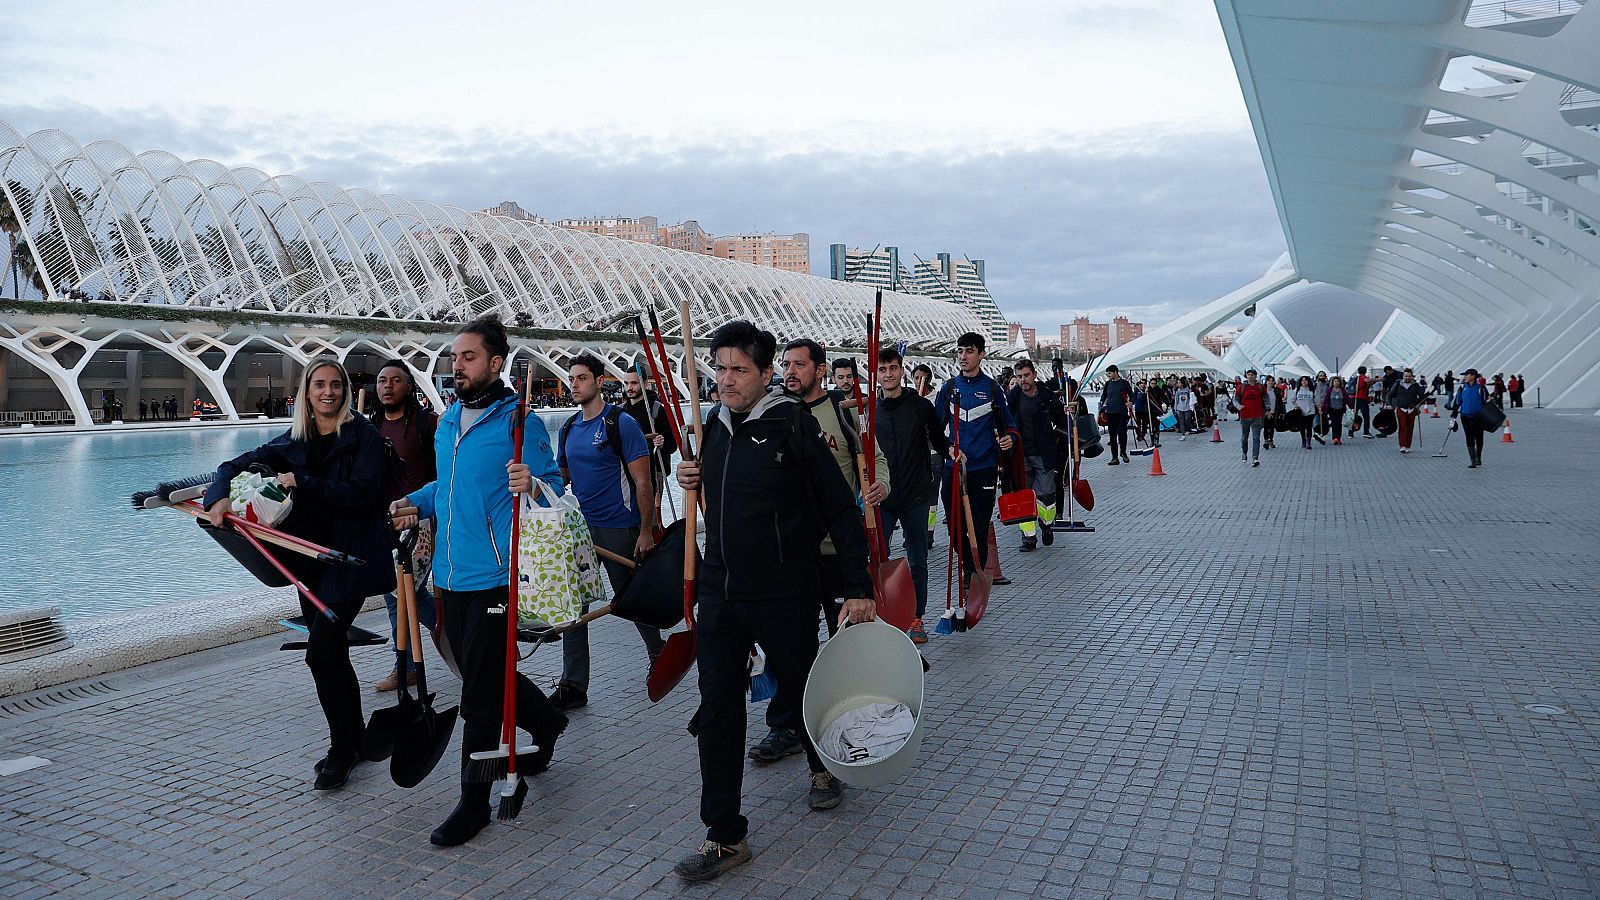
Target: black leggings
(1305,430)
(1117,424)
(328,658)
(1474,435)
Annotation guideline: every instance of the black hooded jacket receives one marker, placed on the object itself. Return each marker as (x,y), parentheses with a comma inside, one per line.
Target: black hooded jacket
(772,491)
(907,427)
(338,502)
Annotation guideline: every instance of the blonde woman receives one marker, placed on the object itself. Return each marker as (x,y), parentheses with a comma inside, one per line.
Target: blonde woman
(332,458)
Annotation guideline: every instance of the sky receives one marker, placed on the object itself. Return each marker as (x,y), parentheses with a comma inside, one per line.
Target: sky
(1097,155)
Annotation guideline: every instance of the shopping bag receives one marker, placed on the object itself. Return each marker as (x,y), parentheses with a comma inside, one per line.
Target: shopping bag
(558,572)
(259,498)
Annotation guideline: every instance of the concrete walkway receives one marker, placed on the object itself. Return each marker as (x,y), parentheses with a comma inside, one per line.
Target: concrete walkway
(1348,673)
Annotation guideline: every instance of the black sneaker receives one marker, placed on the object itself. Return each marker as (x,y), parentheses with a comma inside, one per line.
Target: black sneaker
(569,696)
(1029,544)
(1113,462)
(778,743)
(334,771)
(1256,464)
(711,860)
(826,791)
(1000,581)
(1048,532)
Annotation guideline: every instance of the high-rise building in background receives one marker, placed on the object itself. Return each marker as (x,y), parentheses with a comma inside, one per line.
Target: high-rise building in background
(1085,336)
(790,252)
(643,230)
(944,278)
(1123,331)
(1018,335)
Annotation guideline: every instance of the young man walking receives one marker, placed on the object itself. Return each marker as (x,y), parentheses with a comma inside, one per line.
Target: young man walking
(652,416)
(771,485)
(1406,397)
(472,499)
(606,460)
(1250,396)
(987,430)
(409,429)
(1039,414)
(802,377)
(1116,403)
(909,436)
(1363,404)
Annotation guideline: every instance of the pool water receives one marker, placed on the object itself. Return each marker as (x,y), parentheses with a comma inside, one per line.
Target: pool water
(69,536)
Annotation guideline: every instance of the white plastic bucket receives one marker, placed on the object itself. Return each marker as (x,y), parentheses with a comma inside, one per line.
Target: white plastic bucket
(872,662)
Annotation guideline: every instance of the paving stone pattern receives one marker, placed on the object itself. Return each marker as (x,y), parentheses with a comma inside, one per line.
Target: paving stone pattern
(1304,680)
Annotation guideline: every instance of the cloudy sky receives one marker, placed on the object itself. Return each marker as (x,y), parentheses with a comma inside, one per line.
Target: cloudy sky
(1096,154)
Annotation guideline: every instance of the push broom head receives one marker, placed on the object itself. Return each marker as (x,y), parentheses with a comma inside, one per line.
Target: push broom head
(946,623)
(513,791)
(163,492)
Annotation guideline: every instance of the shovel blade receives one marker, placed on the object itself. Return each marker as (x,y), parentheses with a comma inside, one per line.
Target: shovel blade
(897,593)
(977,597)
(674,662)
(383,729)
(420,745)
(1082,494)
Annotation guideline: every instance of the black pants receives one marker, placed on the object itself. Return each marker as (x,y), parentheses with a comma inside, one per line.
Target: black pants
(328,658)
(1117,423)
(830,589)
(1305,430)
(724,634)
(475,623)
(1363,417)
(1473,432)
(978,485)
(575,643)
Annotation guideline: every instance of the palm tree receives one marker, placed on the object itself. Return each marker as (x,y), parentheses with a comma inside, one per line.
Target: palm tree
(11,222)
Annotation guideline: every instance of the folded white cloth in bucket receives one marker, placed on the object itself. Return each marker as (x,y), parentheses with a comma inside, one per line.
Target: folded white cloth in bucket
(868,732)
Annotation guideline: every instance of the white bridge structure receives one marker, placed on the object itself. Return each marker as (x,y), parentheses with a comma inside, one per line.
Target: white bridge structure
(140,273)
(1439,155)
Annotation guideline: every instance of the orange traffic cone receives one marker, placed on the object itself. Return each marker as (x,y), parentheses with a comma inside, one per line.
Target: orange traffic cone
(1506,438)
(1155,462)
(1434,409)
(1216,432)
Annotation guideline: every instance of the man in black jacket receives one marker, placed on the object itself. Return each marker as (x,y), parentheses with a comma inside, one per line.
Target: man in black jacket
(1039,414)
(772,490)
(908,432)
(651,415)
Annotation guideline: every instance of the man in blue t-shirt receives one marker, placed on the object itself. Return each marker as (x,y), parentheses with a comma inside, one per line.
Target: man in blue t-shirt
(606,461)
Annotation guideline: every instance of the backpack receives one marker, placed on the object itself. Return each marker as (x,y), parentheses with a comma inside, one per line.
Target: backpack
(613,425)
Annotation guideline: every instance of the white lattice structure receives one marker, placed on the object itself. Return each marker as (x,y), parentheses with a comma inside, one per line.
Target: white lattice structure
(150,228)
(1475,209)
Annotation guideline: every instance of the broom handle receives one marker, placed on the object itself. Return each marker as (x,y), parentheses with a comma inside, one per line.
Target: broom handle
(284,571)
(271,536)
(508,726)
(691,503)
(617,558)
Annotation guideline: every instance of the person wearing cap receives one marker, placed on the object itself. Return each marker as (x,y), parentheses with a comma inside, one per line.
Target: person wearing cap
(1470,399)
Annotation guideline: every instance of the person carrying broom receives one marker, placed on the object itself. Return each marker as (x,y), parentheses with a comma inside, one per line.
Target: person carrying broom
(332,458)
(472,498)
(987,430)
(771,486)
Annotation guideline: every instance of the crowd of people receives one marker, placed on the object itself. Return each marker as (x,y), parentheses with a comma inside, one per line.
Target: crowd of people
(780,464)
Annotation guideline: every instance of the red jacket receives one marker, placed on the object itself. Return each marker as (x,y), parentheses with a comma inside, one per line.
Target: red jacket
(1251,399)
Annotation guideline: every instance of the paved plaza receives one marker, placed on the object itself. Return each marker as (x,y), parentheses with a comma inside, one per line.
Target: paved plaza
(1347,673)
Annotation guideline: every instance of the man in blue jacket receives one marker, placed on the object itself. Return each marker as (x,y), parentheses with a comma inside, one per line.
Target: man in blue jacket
(987,429)
(472,499)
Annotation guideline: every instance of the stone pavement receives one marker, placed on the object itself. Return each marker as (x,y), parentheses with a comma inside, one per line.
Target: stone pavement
(1347,673)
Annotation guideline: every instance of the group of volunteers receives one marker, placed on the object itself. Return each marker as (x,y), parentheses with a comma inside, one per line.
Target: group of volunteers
(778,467)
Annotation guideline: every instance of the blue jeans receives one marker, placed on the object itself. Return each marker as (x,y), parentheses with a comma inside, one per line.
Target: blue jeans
(914,520)
(426,614)
(1250,433)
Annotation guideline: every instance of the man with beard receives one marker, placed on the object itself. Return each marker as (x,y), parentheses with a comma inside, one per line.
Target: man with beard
(606,460)
(770,488)
(651,414)
(478,481)
(802,377)
(408,430)
(844,375)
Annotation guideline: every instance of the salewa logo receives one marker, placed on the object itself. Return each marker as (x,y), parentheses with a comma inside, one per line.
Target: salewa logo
(758,439)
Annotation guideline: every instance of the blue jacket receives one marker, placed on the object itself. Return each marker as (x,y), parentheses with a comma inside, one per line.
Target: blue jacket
(1470,399)
(984,414)
(473,540)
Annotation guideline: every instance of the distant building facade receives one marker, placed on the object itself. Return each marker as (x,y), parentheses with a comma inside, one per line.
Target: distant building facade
(790,252)
(1085,336)
(944,278)
(1018,335)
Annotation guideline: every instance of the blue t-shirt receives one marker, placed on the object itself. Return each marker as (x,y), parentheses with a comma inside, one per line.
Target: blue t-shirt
(600,477)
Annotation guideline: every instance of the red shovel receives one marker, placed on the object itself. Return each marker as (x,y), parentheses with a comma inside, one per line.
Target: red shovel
(891,578)
(677,657)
